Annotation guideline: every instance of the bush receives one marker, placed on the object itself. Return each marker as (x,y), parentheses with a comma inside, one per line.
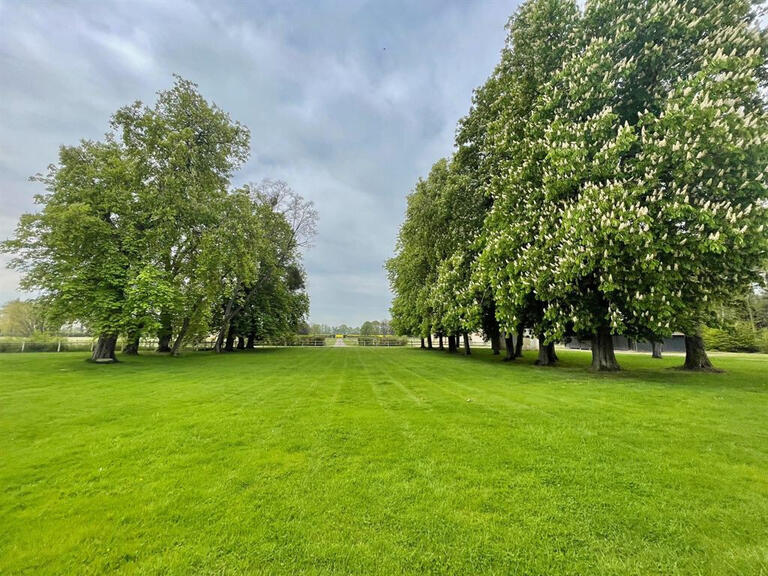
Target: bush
(381,341)
(296,340)
(737,338)
(309,340)
(762,342)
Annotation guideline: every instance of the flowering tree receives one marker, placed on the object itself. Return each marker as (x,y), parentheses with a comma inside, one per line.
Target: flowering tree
(643,145)
(540,35)
(623,151)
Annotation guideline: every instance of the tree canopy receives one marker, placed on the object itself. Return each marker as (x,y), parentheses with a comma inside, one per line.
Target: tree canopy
(141,233)
(609,179)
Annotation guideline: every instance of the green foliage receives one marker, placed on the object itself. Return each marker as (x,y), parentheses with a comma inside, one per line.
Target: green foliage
(140,233)
(740,337)
(22,318)
(379,340)
(623,151)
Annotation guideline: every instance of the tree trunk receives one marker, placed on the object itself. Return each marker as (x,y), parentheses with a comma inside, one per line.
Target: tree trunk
(422,344)
(230,345)
(241,342)
(131,346)
(695,354)
(496,343)
(104,351)
(451,343)
(519,341)
(656,349)
(603,357)
(251,344)
(547,356)
(509,344)
(467,351)
(219,346)
(225,324)
(440,339)
(180,338)
(429,341)
(165,333)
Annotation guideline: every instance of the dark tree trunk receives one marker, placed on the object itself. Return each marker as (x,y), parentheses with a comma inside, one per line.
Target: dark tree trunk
(219,346)
(230,345)
(496,343)
(509,344)
(603,357)
(429,341)
(656,349)
(180,337)
(241,342)
(131,346)
(695,354)
(519,341)
(251,344)
(452,343)
(104,351)
(165,333)
(422,344)
(467,351)
(547,356)
(225,325)
(440,339)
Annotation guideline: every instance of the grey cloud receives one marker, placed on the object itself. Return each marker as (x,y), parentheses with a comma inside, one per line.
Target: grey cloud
(350,102)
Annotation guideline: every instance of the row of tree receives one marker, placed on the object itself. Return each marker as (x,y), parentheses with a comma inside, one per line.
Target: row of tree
(142,234)
(609,179)
(367,328)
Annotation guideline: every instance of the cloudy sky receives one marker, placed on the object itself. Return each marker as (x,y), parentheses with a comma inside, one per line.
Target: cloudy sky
(348,101)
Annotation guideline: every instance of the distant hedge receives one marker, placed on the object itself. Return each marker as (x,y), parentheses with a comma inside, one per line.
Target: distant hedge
(23,345)
(381,341)
(295,340)
(737,338)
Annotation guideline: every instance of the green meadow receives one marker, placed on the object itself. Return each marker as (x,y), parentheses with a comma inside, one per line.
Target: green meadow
(381,461)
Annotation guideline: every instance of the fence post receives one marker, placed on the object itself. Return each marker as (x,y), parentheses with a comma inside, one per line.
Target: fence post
(58,346)
(22,345)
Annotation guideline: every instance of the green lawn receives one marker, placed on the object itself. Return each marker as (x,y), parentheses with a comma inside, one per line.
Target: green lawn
(381,461)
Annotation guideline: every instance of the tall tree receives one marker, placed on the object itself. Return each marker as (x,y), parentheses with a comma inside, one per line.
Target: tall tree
(652,155)
(186,151)
(540,38)
(22,318)
(85,249)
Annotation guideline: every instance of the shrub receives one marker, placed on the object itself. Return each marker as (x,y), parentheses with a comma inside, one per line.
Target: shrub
(739,337)
(381,341)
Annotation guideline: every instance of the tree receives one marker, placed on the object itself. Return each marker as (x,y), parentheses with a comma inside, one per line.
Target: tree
(652,172)
(540,37)
(141,232)
(368,329)
(608,193)
(186,150)
(272,302)
(413,270)
(84,250)
(22,318)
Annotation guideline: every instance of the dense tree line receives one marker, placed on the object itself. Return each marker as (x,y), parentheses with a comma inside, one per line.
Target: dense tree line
(142,233)
(609,179)
(368,328)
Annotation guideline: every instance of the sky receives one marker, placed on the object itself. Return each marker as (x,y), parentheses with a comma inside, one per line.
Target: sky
(349,102)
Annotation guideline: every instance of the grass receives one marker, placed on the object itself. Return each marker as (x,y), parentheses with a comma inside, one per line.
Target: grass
(381,461)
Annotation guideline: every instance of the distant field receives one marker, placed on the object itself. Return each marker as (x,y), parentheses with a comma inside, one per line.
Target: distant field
(381,461)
